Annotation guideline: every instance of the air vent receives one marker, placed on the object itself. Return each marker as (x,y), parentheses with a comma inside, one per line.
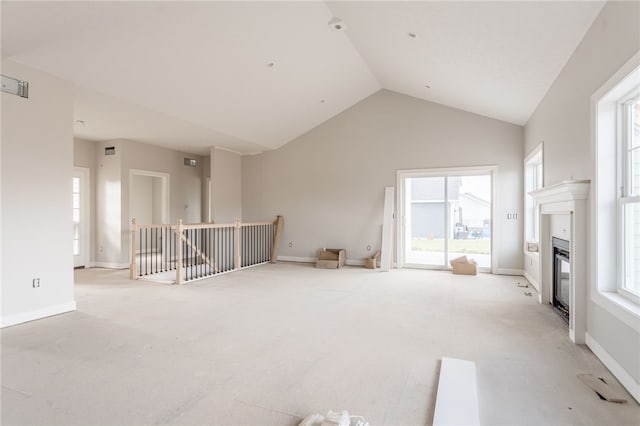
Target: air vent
(110,150)
(189,162)
(15,86)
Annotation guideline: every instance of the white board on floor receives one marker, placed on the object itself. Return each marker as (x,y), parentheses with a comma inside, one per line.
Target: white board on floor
(457,398)
(387,230)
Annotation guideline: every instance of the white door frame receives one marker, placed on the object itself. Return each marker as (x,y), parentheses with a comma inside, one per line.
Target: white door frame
(491,170)
(85,225)
(165,191)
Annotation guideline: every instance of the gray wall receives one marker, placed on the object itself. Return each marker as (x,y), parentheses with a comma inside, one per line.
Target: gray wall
(329,183)
(84,155)
(113,218)
(36,172)
(562,120)
(226,186)
(108,225)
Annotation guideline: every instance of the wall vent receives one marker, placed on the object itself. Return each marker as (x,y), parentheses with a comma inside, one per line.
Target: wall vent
(110,150)
(190,162)
(15,86)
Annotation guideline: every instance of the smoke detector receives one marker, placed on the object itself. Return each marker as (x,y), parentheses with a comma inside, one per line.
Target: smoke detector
(336,24)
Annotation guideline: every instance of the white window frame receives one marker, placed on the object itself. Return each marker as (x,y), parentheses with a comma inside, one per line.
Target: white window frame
(533,181)
(606,264)
(624,136)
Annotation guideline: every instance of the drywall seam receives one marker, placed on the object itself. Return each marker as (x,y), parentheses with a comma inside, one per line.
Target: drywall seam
(38,314)
(616,369)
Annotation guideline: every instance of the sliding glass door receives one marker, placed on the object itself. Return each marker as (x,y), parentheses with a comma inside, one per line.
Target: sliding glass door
(445,215)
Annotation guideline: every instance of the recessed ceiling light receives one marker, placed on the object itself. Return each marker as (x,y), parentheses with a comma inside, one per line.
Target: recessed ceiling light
(412,35)
(336,24)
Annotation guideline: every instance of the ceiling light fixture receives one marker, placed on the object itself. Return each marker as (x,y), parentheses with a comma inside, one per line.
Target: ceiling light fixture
(336,24)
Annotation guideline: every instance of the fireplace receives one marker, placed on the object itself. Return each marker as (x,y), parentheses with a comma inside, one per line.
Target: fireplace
(561,277)
(565,198)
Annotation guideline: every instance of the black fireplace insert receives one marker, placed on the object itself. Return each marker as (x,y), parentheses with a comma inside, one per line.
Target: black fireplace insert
(561,277)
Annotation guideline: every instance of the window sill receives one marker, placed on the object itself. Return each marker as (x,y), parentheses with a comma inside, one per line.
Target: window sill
(620,307)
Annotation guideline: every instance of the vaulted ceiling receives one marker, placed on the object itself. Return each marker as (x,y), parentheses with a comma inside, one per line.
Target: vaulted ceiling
(252,76)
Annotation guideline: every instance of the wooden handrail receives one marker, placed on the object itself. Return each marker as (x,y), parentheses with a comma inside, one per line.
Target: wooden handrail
(147,225)
(201,225)
(269,236)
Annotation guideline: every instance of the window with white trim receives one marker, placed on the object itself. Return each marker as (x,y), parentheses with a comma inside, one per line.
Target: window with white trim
(532,182)
(617,184)
(629,200)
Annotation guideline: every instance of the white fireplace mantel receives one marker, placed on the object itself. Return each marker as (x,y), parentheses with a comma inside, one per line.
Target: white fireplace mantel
(567,198)
(562,192)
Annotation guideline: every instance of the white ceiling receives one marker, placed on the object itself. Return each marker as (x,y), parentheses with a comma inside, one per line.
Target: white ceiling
(190,75)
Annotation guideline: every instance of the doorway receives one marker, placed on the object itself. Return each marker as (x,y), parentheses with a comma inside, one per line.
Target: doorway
(445,213)
(80,210)
(148,198)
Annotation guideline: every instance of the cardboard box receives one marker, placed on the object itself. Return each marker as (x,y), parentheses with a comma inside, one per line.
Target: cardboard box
(370,263)
(463,266)
(331,258)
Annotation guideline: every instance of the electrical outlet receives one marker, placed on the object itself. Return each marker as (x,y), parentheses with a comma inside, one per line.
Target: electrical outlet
(290,244)
(368,248)
(101,249)
(35,282)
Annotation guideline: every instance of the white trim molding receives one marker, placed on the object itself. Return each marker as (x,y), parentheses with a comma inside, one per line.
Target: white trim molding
(565,191)
(508,271)
(533,282)
(109,265)
(49,311)
(298,259)
(630,384)
(350,262)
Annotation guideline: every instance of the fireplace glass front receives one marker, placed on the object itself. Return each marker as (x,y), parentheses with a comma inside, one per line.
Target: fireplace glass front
(561,277)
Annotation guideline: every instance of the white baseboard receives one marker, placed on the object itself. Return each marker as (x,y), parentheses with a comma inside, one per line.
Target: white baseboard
(506,271)
(351,262)
(616,369)
(109,265)
(533,282)
(297,259)
(23,317)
